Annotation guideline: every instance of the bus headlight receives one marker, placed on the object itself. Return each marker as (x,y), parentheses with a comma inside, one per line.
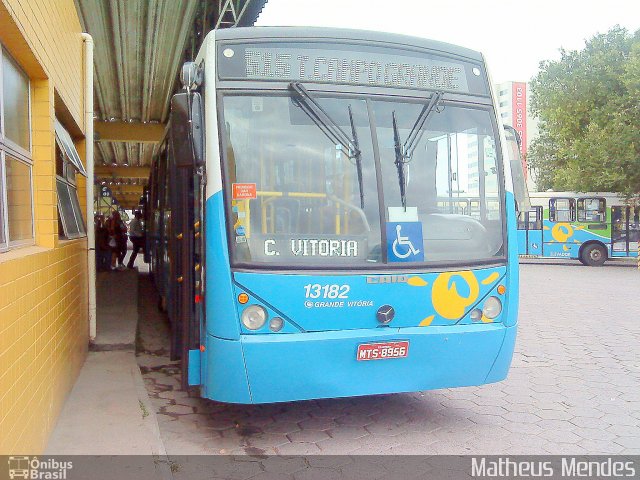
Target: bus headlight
(476,315)
(492,307)
(276,324)
(253,317)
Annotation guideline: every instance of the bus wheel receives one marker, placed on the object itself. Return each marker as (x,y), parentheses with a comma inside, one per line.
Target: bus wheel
(593,255)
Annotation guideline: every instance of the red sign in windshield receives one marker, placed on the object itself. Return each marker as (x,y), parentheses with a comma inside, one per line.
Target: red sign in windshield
(243,191)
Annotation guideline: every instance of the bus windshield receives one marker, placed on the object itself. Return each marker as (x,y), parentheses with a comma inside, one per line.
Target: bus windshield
(297,199)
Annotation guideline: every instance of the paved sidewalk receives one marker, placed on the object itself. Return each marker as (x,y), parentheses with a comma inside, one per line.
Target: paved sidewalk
(108,412)
(117,298)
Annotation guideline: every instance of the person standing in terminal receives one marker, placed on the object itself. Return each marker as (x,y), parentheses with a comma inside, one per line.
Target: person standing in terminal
(117,240)
(103,251)
(136,235)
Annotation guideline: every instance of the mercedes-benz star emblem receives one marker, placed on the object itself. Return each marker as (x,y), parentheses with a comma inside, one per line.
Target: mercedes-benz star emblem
(385,314)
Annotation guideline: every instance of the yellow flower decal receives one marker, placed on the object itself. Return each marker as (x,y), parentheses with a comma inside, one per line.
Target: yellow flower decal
(427,321)
(446,299)
(417,282)
(561,232)
(491,278)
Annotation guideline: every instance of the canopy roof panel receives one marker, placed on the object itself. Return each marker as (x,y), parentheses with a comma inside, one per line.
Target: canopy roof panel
(139,48)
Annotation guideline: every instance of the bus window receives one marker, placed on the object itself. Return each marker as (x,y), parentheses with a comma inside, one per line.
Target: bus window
(530,220)
(592,210)
(634,224)
(522,220)
(454,165)
(535,219)
(303,199)
(562,210)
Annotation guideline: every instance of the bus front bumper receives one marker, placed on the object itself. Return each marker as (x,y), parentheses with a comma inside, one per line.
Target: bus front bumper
(302,366)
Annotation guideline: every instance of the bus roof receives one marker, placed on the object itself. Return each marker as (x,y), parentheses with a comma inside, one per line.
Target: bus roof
(322,33)
(538,198)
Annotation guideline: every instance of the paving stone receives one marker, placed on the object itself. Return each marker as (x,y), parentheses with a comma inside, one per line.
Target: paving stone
(560,425)
(484,419)
(329,461)
(571,389)
(348,433)
(311,436)
(266,440)
(317,473)
(590,422)
(272,476)
(234,470)
(601,447)
(554,414)
(362,470)
(595,434)
(317,423)
(340,446)
(623,420)
(298,448)
(283,465)
(173,395)
(629,442)
(178,409)
(282,427)
(386,429)
(356,420)
(520,417)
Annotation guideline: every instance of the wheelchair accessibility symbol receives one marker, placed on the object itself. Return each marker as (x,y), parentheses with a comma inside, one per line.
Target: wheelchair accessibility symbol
(404,242)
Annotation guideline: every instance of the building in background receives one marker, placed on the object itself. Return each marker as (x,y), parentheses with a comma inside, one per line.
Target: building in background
(513,101)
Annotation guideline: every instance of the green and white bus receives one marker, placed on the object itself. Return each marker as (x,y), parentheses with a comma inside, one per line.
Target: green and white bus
(590,227)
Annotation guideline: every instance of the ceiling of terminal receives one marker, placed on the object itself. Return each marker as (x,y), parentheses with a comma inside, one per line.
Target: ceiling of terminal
(139,48)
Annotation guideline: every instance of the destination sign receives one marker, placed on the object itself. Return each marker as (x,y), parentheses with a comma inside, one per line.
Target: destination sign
(280,247)
(373,66)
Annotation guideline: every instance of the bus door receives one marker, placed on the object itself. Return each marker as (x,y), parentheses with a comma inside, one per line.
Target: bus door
(534,231)
(185,240)
(625,231)
(530,232)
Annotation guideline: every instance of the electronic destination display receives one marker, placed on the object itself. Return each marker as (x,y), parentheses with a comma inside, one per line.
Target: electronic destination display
(348,65)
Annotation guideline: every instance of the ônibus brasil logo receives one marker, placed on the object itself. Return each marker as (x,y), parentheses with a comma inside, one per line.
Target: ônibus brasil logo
(33,468)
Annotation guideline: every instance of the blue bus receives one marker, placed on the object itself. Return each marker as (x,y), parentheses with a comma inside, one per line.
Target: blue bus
(589,227)
(332,214)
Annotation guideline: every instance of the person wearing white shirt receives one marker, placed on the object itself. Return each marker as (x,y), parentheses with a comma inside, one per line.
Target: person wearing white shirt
(136,235)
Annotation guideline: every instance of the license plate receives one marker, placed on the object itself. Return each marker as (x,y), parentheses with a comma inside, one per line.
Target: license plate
(382,351)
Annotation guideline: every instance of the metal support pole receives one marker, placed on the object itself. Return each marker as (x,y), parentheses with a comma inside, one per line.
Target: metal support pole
(88,133)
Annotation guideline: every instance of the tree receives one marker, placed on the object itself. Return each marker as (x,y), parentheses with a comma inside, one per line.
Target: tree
(588,105)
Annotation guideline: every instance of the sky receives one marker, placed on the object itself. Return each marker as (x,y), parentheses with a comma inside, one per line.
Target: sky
(513,35)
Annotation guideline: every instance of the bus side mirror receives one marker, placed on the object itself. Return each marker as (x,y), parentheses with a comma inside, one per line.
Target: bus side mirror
(197,129)
(520,191)
(187,129)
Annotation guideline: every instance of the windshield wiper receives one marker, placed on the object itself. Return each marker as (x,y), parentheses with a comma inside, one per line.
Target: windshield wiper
(358,156)
(404,152)
(333,131)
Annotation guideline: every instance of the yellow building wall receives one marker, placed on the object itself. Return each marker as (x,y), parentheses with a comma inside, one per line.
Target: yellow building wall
(51,29)
(43,287)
